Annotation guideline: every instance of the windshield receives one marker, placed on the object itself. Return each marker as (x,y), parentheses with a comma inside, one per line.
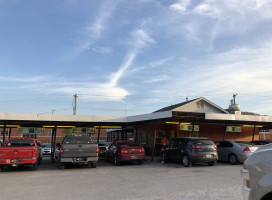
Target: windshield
(46,145)
(204,142)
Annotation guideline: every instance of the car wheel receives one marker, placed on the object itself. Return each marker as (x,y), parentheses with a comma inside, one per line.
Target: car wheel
(139,162)
(233,159)
(116,161)
(164,157)
(186,161)
(35,166)
(1,168)
(61,166)
(212,163)
(93,165)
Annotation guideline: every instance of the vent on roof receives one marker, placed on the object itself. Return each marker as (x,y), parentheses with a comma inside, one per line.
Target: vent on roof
(234,108)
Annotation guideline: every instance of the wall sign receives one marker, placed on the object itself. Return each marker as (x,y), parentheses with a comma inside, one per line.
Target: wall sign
(236,129)
(189,127)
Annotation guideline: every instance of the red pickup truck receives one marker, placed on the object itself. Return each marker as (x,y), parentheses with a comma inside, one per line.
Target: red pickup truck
(20,151)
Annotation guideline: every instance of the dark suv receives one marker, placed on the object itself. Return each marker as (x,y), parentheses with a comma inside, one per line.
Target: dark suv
(190,150)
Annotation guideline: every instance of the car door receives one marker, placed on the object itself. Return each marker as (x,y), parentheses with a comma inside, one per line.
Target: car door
(178,148)
(110,153)
(224,149)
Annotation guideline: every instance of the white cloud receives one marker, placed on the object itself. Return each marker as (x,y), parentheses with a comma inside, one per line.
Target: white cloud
(156,79)
(181,5)
(94,31)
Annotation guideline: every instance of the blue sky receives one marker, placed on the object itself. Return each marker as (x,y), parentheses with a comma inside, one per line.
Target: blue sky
(126,57)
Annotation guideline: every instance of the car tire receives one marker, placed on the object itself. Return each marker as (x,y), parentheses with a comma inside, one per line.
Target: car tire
(1,168)
(61,166)
(233,160)
(212,163)
(116,161)
(93,165)
(35,166)
(140,162)
(164,157)
(186,161)
(40,160)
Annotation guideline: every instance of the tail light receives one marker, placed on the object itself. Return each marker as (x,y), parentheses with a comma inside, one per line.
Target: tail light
(246,149)
(124,151)
(196,147)
(214,147)
(97,150)
(61,150)
(34,151)
(142,150)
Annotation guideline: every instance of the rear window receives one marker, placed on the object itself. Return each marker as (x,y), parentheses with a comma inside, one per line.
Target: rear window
(46,145)
(129,145)
(77,140)
(244,143)
(20,143)
(203,142)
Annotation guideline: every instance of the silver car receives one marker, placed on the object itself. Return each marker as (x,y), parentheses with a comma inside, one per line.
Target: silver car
(234,151)
(46,148)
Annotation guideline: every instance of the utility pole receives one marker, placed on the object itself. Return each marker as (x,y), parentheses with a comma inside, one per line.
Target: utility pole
(75,103)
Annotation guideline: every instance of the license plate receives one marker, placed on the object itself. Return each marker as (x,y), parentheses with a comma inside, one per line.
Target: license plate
(208,156)
(133,156)
(14,160)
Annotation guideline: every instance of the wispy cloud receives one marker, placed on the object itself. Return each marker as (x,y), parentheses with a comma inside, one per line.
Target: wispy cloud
(161,62)
(102,50)
(109,89)
(157,79)
(94,31)
(181,5)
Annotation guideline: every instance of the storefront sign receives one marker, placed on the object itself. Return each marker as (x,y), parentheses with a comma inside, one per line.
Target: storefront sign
(236,129)
(189,127)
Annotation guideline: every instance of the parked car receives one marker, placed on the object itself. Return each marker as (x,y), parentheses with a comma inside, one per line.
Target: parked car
(257,173)
(103,146)
(235,151)
(125,151)
(20,151)
(46,149)
(190,150)
(78,150)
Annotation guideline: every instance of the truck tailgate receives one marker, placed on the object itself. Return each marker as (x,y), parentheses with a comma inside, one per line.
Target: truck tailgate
(79,150)
(16,152)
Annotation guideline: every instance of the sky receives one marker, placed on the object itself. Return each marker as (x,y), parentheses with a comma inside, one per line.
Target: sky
(126,57)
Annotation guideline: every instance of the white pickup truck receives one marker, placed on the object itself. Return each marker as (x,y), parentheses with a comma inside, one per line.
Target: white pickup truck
(257,174)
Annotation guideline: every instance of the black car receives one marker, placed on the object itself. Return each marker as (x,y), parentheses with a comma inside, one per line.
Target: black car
(103,146)
(190,150)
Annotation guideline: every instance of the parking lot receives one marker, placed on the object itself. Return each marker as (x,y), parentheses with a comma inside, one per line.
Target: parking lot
(151,180)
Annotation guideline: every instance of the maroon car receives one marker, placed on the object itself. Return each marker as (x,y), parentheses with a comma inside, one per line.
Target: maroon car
(125,151)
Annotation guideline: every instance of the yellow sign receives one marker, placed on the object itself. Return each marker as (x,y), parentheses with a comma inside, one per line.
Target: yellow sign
(236,129)
(189,127)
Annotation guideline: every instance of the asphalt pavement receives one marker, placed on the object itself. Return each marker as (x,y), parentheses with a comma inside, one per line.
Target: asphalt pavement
(148,181)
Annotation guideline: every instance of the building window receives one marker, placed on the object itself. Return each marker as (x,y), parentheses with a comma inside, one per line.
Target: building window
(159,135)
(2,133)
(144,137)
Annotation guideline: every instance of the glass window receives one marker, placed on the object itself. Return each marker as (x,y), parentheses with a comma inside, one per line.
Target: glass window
(20,143)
